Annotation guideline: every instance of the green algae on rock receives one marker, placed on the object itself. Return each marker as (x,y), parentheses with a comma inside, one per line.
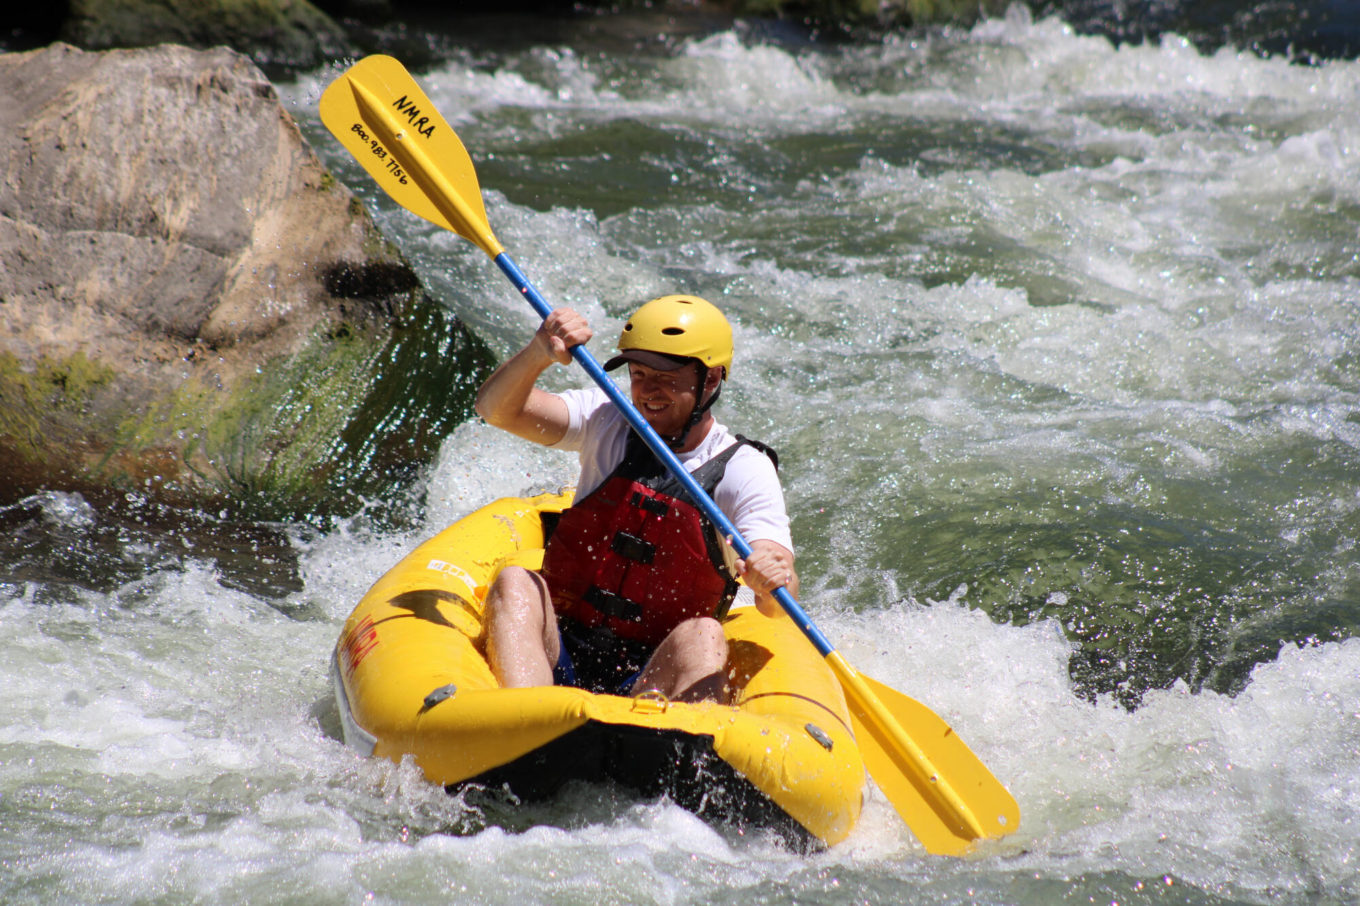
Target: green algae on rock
(191,306)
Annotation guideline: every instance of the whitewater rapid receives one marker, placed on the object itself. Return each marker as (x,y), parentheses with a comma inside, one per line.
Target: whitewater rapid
(1059,344)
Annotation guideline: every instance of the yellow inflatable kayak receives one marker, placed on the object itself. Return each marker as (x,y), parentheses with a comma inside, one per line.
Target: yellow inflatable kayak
(411,679)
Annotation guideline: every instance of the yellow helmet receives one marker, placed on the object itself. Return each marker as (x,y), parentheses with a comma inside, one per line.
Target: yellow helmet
(679,328)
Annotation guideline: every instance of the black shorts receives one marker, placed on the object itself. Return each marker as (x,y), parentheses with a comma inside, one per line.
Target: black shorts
(596,660)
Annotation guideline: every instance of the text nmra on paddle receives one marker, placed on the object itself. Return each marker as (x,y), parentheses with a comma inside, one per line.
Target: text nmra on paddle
(944,792)
(380,152)
(413,116)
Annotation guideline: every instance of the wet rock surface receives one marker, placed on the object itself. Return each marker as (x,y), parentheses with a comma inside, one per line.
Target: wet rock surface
(190,304)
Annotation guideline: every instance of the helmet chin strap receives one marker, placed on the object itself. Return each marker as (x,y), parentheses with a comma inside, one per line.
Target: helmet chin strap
(676,441)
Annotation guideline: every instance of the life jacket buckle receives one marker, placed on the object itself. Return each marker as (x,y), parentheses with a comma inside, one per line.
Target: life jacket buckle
(614,605)
(651,504)
(634,548)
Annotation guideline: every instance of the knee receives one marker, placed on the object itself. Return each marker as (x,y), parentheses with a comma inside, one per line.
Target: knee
(703,637)
(513,577)
(516,590)
(703,629)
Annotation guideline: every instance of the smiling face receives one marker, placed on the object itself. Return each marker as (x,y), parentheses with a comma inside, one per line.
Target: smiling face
(665,398)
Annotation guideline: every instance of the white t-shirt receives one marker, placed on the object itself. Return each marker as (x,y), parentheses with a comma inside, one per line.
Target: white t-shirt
(749,493)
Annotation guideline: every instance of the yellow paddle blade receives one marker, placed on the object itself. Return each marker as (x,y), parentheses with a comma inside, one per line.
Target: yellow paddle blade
(943,792)
(381,116)
(938,786)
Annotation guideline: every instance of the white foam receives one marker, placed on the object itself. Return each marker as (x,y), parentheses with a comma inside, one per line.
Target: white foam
(1250,791)
(164,740)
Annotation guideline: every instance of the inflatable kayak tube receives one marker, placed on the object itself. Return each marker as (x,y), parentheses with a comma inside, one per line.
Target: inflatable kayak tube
(411,679)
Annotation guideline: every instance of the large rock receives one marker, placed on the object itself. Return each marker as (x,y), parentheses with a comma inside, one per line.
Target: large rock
(286,32)
(190,305)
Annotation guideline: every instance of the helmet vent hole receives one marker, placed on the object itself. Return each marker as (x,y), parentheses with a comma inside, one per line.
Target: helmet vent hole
(673,331)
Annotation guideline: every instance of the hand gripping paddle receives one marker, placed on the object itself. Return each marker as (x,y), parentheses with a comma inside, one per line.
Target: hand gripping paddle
(942,791)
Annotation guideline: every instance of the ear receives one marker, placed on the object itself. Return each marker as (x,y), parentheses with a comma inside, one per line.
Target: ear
(713,379)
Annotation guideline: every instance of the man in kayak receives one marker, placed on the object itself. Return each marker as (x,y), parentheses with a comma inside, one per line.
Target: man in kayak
(634,578)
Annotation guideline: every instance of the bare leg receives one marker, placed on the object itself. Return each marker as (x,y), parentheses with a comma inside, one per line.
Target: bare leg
(522,643)
(690,664)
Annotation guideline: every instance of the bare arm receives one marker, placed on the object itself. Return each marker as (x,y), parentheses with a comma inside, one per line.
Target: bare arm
(770,566)
(510,400)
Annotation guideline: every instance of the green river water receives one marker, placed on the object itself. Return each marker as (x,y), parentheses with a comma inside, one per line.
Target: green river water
(1059,343)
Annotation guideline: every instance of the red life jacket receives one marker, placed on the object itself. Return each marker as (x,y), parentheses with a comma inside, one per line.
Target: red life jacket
(636,555)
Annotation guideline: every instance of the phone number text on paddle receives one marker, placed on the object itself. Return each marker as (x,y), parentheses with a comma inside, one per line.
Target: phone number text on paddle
(380,152)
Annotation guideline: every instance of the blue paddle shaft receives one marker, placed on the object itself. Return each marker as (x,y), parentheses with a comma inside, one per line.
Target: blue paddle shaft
(663,453)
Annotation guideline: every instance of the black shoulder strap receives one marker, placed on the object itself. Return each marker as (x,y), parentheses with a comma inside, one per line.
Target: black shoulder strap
(641,465)
(763,448)
(639,462)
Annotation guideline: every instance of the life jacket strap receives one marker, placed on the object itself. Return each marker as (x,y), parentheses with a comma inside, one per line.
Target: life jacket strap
(639,550)
(614,605)
(650,504)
